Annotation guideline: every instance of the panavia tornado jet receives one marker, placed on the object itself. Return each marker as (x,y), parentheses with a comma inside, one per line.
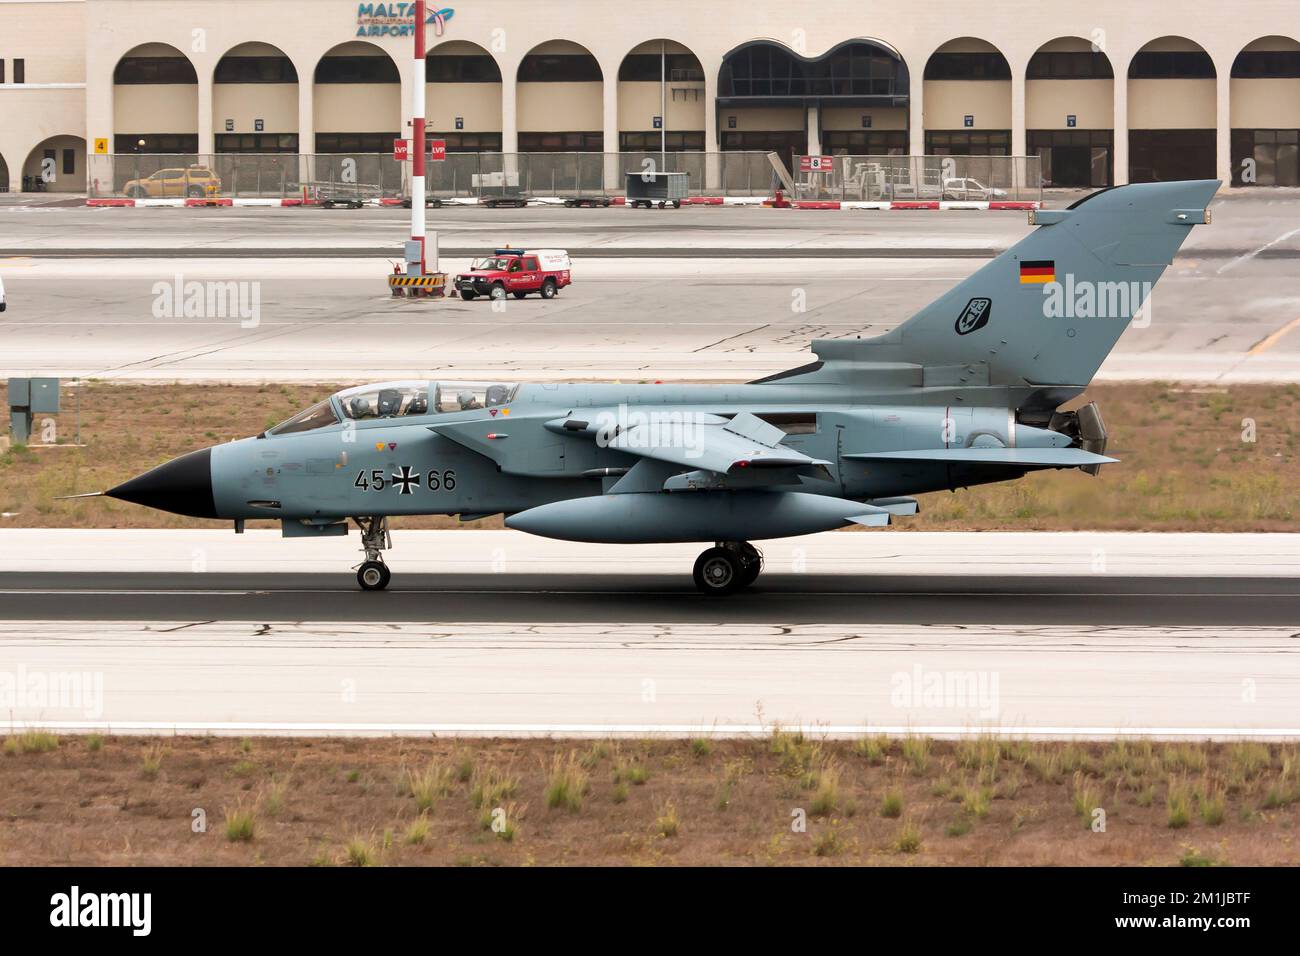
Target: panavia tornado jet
(967,391)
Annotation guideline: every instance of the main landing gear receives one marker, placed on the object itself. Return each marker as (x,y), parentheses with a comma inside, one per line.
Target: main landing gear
(373,574)
(727,568)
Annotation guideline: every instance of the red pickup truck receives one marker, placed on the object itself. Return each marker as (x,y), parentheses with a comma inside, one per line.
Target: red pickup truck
(515,272)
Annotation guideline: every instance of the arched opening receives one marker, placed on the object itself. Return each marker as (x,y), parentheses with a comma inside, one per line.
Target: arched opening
(155,102)
(357,100)
(255,101)
(1265,110)
(1171,112)
(661,99)
(851,99)
(967,100)
(560,100)
(56,165)
(864,103)
(760,101)
(464,97)
(4,175)
(1070,113)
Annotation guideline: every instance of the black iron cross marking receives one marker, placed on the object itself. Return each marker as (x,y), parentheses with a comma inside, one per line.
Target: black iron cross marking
(404,481)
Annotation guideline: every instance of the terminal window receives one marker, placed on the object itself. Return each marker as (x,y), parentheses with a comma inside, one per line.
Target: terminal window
(577,142)
(142,70)
(864,142)
(461,68)
(994,142)
(1266,157)
(674,141)
(967,66)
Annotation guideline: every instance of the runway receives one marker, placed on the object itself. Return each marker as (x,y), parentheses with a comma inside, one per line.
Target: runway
(620,678)
(499,633)
(635,598)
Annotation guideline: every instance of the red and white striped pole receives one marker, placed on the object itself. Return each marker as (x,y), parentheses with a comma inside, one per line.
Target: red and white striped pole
(417,136)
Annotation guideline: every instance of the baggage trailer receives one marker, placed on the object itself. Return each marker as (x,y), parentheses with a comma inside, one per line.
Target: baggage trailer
(661,189)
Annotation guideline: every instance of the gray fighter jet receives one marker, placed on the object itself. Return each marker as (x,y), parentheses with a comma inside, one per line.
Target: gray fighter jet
(967,391)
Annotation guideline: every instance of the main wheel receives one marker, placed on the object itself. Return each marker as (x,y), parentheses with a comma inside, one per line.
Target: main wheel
(195,192)
(498,292)
(548,289)
(520,295)
(718,571)
(373,576)
(468,294)
(751,571)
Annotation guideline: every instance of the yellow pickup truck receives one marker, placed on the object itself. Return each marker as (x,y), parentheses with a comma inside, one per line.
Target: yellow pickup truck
(191,182)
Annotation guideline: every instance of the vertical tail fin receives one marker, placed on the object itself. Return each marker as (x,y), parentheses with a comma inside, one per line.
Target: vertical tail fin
(1049,309)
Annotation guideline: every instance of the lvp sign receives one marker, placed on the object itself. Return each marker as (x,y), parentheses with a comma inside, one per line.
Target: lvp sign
(436,148)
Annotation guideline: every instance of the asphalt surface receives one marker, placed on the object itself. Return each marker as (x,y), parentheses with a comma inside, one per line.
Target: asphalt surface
(692,319)
(788,598)
(698,294)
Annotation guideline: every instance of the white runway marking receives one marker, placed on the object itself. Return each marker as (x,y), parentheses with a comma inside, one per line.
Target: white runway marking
(1233,263)
(637,731)
(649,679)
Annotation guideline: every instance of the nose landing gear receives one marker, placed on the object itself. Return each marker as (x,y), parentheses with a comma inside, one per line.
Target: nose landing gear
(373,574)
(727,568)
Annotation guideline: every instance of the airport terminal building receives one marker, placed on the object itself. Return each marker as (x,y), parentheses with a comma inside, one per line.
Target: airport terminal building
(1105,93)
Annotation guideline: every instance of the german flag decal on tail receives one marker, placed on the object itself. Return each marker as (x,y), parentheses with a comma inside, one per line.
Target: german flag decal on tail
(1037,271)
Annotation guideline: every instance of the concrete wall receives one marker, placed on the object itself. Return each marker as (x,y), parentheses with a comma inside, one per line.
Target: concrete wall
(478,104)
(850,117)
(550,107)
(1171,104)
(948,102)
(276,104)
(639,103)
(163,108)
(358,108)
(52,101)
(761,119)
(1049,102)
(1266,104)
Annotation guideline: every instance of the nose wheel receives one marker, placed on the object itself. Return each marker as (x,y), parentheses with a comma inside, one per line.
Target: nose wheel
(373,574)
(729,567)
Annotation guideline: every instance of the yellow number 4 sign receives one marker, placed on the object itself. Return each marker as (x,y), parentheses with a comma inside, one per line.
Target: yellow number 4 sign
(101,147)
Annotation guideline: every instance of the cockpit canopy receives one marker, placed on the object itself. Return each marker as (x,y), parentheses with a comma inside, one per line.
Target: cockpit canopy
(399,400)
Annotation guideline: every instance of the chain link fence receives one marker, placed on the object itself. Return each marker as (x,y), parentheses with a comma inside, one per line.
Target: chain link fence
(522,176)
(481,176)
(923,178)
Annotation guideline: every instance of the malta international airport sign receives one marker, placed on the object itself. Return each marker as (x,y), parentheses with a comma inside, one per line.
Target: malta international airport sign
(397,19)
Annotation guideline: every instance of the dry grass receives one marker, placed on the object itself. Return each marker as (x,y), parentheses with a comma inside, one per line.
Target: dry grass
(1184,465)
(353,802)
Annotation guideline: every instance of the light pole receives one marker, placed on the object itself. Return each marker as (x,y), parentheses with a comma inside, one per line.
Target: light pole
(417,137)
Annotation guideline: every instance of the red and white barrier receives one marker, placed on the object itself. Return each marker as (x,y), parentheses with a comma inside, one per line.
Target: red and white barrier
(907,205)
(387,201)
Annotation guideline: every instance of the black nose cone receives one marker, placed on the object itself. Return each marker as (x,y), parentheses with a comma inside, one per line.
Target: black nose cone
(183,486)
